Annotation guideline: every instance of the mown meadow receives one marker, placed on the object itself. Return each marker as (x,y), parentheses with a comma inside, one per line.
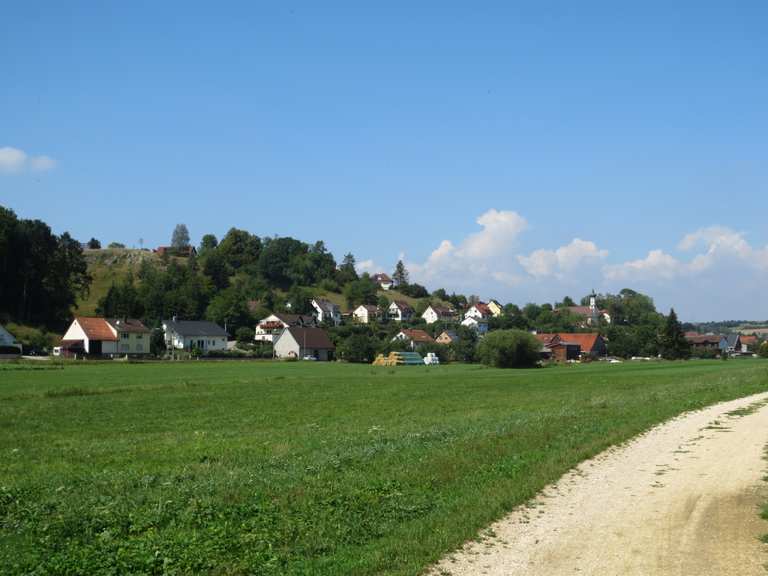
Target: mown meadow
(303,468)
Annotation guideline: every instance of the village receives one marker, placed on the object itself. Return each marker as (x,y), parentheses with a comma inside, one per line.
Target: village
(417,338)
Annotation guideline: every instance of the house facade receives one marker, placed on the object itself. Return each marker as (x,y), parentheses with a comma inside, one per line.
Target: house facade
(194,334)
(478,311)
(703,342)
(496,308)
(326,311)
(435,313)
(400,311)
(447,337)
(300,342)
(479,325)
(365,313)
(270,327)
(106,337)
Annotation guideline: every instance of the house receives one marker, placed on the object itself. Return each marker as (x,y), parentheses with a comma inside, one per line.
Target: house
(479,325)
(749,343)
(591,343)
(194,334)
(590,315)
(8,343)
(478,311)
(383,280)
(400,311)
(105,337)
(555,348)
(365,313)
(731,344)
(703,342)
(326,311)
(447,337)
(435,313)
(270,327)
(496,308)
(414,337)
(303,342)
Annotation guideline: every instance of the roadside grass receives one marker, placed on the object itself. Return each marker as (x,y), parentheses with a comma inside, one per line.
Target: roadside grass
(273,468)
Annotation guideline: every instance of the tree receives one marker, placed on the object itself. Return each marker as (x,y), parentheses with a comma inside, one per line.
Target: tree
(208,243)
(362,291)
(672,342)
(347,272)
(94,244)
(400,275)
(509,349)
(763,350)
(180,237)
(118,245)
(357,348)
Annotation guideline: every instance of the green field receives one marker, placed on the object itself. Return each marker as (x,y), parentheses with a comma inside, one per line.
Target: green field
(303,468)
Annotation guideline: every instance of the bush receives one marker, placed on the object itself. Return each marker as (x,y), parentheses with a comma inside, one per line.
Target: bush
(763,350)
(357,348)
(244,335)
(509,349)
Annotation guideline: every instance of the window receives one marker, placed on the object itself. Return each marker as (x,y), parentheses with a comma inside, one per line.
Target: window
(139,336)
(125,336)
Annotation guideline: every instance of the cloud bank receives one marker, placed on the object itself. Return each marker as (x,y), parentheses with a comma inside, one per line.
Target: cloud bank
(712,273)
(15,160)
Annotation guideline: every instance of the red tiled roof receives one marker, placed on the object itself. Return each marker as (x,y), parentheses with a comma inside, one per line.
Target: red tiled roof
(752,339)
(483,308)
(416,335)
(587,340)
(96,328)
(694,338)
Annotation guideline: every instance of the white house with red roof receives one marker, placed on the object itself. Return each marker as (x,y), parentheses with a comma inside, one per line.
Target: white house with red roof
(105,337)
(478,311)
(400,311)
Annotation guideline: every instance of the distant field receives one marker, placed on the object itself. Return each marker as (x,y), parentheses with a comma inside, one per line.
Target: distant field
(268,468)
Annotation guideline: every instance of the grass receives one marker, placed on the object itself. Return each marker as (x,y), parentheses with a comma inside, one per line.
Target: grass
(271,468)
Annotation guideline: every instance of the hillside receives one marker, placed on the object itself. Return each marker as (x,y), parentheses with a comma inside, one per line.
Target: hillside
(111,265)
(108,266)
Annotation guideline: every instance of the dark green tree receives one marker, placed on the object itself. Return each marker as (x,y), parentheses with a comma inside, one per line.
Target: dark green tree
(509,349)
(400,275)
(672,342)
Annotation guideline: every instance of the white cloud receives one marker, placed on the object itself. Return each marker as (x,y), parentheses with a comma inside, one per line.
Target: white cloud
(657,265)
(367,266)
(562,261)
(15,160)
(483,254)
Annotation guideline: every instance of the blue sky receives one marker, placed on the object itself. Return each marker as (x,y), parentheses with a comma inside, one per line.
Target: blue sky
(509,130)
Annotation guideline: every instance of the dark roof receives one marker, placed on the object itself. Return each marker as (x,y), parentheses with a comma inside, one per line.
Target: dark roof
(732,339)
(404,306)
(310,337)
(128,325)
(703,338)
(370,307)
(381,278)
(195,328)
(295,319)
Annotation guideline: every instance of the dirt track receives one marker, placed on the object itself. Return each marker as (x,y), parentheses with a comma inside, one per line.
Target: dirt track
(681,499)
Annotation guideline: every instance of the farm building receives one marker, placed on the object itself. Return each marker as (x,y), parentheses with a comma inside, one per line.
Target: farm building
(194,334)
(301,342)
(555,348)
(105,337)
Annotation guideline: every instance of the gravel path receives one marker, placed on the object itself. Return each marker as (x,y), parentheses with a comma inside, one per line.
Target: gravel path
(681,499)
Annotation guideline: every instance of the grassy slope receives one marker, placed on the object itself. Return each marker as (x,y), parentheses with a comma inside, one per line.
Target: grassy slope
(108,266)
(271,468)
